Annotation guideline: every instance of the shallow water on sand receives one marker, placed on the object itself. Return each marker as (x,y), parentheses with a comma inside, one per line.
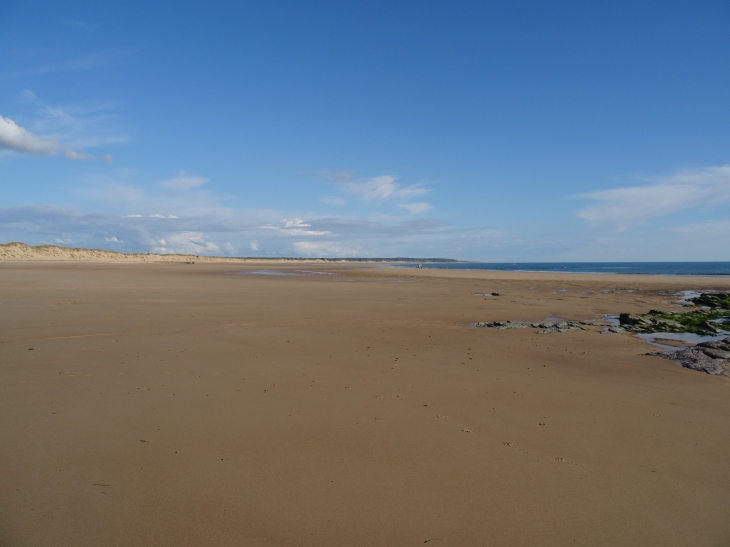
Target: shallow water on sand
(689,337)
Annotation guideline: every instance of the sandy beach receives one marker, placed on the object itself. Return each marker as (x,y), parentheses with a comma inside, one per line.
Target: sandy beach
(174,404)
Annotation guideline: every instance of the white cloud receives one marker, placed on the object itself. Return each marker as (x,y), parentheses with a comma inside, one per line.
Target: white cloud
(295,227)
(70,129)
(295,223)
(683,190)
(415,208)
(184,183)
(77,156)
(66,129)
(83,156)
(190,243)
(15,138)
(254,245)
(113,239)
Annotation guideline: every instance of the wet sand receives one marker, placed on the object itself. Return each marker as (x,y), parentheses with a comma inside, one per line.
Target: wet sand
(184,405)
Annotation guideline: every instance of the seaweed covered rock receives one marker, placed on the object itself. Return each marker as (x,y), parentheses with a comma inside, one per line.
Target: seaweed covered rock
(713,301)
(547,326)
(698,321)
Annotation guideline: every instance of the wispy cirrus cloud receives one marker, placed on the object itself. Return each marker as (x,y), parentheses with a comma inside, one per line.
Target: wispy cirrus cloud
(183,182)
(375,191)
(78,126)
(415,208)
(715,230)
(379,189)
(684,190)
(337,202)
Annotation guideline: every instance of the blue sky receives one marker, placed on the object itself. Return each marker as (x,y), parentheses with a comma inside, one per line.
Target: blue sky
(492,131)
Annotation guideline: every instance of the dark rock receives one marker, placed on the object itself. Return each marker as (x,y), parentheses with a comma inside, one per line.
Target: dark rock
(717,344)
(631,319)
(698,358)
(716,353)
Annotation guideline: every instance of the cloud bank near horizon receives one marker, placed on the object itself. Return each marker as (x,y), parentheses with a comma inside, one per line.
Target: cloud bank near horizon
(235,234)
(185,214)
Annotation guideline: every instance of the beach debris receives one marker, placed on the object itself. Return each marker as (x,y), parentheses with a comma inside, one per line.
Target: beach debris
(546,326)
(711,357)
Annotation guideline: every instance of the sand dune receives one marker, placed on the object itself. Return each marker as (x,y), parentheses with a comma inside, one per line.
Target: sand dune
(21,251)
(152,404)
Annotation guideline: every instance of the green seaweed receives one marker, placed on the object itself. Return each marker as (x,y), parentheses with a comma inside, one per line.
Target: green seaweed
(714,301)
(698,321)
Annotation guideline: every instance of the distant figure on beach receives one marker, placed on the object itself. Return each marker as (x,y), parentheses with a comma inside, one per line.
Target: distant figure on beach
(419,266)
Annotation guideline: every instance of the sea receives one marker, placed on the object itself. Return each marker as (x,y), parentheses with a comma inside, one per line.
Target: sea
(640,268)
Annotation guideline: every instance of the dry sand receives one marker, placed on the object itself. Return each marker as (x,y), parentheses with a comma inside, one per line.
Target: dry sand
(183,405)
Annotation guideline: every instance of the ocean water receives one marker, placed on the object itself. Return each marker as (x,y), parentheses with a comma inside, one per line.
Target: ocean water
(644,268)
